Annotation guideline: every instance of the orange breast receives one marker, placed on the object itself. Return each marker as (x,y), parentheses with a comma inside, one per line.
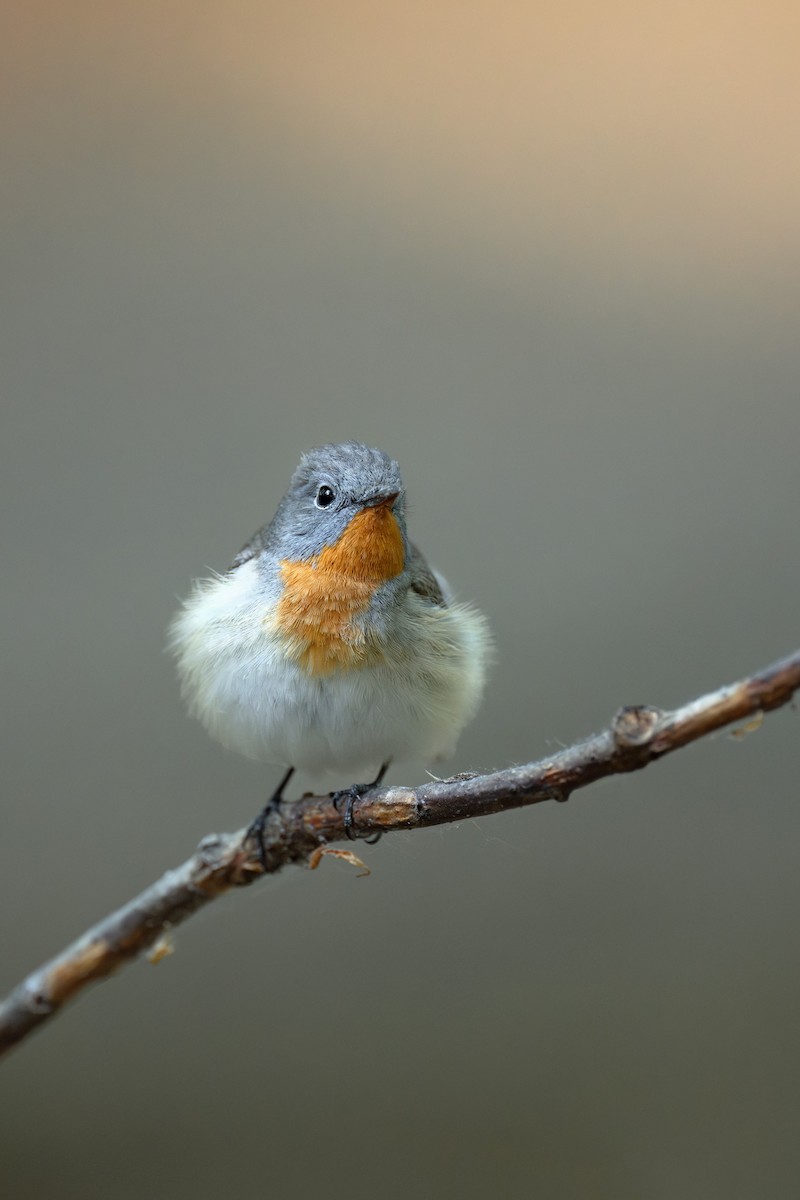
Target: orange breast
(323,597)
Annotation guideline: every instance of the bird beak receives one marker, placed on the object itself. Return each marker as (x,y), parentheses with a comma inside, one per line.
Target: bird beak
(381,501)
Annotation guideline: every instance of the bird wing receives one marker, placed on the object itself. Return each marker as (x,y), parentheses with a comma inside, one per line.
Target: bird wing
(424,581)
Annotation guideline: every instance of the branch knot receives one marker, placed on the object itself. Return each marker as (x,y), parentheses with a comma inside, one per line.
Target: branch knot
(635,725)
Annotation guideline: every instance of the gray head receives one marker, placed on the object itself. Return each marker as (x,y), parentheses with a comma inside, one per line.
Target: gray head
(330,486)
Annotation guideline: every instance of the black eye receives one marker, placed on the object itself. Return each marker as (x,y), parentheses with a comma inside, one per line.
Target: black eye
(325,496)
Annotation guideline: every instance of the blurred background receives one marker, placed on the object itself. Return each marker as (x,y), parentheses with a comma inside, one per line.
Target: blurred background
(547,257)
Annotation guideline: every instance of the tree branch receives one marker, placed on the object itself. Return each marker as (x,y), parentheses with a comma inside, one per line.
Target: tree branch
(303,830)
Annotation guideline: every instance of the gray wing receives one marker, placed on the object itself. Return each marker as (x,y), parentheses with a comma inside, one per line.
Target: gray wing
(248,551)
(262,540)
(424,581)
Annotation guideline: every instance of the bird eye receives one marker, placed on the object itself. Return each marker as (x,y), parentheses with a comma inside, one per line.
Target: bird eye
(325,496)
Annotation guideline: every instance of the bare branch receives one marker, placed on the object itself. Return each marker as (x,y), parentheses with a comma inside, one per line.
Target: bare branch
(636,737)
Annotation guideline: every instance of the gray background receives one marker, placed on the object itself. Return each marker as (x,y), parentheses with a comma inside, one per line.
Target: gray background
(548,259)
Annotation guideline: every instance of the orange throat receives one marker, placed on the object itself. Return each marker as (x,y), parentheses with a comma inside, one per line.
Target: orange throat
(323,598)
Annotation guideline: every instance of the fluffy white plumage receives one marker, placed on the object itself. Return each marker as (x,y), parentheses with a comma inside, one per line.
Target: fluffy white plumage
(411,702)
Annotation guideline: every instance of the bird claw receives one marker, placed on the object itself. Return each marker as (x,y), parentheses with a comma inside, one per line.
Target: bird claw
(349,795)
(255,830)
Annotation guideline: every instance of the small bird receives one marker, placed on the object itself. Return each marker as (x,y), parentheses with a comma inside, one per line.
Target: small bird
(330,644)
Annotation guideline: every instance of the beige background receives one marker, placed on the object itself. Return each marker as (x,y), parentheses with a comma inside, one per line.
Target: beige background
(547,256)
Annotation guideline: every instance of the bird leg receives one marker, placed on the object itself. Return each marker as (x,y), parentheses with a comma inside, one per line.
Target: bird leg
(255,829)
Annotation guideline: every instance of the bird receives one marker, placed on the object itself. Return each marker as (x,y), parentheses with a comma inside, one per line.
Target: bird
(330,644)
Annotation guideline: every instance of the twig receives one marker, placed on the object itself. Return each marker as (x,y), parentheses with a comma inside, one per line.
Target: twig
(636,737)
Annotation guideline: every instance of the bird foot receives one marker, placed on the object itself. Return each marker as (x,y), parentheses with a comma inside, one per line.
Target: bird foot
(255,830)
(348,796)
